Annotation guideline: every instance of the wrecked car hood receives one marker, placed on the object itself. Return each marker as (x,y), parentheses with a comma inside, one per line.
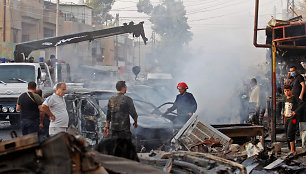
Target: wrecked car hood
(154,121)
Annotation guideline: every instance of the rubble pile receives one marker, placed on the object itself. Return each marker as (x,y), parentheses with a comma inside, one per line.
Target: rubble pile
(62,153)
(201,148)
(190,162)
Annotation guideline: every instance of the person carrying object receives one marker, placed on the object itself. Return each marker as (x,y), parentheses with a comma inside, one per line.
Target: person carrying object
(293,106)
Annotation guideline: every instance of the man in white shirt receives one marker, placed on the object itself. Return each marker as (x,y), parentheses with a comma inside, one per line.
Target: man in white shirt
(256,101)
(55,107)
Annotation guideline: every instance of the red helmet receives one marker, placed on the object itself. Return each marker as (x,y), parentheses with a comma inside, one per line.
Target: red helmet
(182,85)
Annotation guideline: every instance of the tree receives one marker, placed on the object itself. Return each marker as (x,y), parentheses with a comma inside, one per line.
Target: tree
(101,9)
(144,6)
(169,21)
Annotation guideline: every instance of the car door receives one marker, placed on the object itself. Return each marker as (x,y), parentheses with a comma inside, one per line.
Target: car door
(92,120)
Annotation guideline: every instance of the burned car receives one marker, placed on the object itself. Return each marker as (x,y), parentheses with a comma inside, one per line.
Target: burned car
(84,114)
(153,130)
(87,112)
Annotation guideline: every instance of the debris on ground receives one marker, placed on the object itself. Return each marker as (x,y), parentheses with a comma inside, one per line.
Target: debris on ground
(191,162)
(197,148)
(200,137)
(302,126)
(253,150)
(62,153)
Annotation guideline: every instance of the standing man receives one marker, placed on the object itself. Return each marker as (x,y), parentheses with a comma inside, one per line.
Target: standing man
(51,65)
(44,119)
(120,107)
(55,107)
(256,102)
(297,82)
(29,104)
(31,59)
(185,104)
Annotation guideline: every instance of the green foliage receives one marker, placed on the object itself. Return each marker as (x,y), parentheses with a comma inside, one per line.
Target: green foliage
(169,21)
(144,6)
(101,9)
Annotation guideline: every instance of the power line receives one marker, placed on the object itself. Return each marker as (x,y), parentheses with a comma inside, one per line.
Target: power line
(211,9)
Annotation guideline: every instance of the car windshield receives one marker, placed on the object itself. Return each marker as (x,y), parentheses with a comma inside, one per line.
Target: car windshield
(17,73)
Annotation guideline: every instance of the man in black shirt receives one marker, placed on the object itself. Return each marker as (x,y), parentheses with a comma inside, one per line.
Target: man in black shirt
(293,107)
(297,82)
(29,104)
(185,104)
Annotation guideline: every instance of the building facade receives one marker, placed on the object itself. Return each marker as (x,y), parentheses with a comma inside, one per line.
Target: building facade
(27,20)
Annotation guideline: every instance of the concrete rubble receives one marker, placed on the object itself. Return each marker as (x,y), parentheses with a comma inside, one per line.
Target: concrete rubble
(62,153)
(203,149)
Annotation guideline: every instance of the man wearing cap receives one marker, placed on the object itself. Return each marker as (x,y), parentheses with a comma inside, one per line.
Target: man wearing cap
(185,104)
(120,107)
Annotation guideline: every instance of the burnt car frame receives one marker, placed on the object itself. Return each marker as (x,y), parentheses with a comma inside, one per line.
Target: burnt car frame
(87,110)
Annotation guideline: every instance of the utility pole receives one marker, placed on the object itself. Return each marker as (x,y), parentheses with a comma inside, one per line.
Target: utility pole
(139,51)
(290,13)
(4,20)
(116,39)
(56,33)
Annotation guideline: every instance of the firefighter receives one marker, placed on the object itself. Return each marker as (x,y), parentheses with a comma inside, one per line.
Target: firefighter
(185,104)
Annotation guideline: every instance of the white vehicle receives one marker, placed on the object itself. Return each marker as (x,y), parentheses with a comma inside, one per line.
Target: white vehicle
(14,78)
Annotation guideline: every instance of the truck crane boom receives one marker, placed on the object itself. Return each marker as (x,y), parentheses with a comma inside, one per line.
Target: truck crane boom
(23,49)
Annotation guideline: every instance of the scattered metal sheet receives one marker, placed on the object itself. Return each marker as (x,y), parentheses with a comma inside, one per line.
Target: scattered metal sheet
(122,165)
(241,130)
(250,164)
(194,132)
(276,163)
(193,162)
(19,143)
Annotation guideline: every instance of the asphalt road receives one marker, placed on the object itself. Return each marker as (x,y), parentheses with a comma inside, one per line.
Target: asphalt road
(5,130)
